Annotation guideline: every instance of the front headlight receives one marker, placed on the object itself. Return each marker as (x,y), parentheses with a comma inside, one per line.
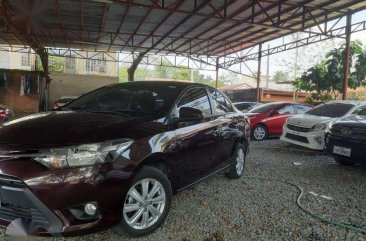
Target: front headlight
(83,155)
(319,127)
(288,119)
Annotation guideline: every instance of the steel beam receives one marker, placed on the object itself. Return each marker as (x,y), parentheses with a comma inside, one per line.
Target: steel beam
(347,56)
(259,73)
(339,32)
(5,20)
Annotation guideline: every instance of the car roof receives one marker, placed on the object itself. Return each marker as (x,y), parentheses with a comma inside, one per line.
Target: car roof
(246,102)
(162,82)
(352,102)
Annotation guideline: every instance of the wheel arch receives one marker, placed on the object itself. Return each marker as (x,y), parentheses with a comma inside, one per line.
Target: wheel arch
(158,161)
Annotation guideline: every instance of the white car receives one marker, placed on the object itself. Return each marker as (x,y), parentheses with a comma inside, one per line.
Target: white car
(308,129)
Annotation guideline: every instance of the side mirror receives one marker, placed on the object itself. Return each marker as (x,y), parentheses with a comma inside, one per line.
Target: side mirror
(189,113)
(187,116)
(274,112)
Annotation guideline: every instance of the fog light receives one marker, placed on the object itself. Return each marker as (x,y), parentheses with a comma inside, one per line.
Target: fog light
(319,139)
(90,209)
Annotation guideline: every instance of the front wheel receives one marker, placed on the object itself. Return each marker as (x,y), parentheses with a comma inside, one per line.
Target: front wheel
(147,203)
(259,132)
(237,168)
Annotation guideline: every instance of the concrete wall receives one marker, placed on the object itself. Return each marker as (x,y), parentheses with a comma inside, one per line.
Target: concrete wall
(75,85)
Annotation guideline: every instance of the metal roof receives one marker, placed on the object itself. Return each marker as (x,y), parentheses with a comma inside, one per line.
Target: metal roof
(200,27)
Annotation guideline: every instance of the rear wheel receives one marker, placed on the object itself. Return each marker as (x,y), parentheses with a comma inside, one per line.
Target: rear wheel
(237,169)
(344,162)
(147,203)
(259,132)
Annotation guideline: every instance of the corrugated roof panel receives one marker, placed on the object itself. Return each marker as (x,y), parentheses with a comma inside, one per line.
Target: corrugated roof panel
(203,27)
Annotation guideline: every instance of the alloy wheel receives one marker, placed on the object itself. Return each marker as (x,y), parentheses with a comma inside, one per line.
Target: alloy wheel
(259,133)
(144,204)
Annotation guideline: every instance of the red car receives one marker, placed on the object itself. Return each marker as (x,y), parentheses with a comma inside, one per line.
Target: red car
(268,119)
(5,112)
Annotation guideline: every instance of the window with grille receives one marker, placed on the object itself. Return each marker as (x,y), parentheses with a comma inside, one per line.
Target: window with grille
(98,65)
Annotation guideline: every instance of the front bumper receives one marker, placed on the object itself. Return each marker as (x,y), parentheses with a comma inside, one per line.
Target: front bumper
(311,139)
(44,199)
(19,203)
(357,146)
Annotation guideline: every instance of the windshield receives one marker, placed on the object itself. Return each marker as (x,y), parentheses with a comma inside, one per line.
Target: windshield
(66,100)
(266,108)
(360,111)
(132,99)
(332,110)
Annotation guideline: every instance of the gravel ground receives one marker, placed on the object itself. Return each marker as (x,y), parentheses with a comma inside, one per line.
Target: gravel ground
(220,209)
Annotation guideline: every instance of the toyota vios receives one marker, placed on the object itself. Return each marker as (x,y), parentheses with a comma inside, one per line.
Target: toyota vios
(117,156)
(308,129)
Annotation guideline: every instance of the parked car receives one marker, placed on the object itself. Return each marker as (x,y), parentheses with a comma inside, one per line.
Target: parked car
(5,113)
(268,119)
(120,154)
(63,101)
(308,129)
(345,139)
(246,106)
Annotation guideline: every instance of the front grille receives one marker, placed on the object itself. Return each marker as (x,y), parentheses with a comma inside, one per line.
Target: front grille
(355,133)
(11,212)
(298,128)
(18,202)
(297,138)
(10,182)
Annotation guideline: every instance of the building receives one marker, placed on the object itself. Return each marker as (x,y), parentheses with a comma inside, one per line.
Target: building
(70,76)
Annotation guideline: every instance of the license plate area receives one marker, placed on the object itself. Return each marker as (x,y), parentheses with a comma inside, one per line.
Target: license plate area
(343,151)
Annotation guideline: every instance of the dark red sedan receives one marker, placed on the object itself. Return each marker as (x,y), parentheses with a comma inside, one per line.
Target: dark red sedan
(268,119)
(5,112)
(117,157)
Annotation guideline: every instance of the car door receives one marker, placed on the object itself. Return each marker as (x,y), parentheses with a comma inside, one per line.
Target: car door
(197,142)
(278,121)
(228,120)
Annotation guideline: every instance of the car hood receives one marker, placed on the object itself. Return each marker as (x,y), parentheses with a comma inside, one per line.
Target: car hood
(357,121)
(308,121)
(64,128)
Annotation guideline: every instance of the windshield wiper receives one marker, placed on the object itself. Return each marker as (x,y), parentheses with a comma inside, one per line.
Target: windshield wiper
(115,112)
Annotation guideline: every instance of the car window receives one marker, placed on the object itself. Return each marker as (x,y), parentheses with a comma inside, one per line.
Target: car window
(222,104)
(333,110)
(196,98)
(266,108)
(288,109)
(360,111)
(243,106)
(302,108)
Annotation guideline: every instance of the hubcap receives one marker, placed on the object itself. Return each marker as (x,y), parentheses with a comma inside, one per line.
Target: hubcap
(144,204)
(240,161)
(259,133)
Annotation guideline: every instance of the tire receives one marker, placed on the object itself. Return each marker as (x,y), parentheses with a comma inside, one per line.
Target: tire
(259,132)
(344,162)
(237,168)
(151,178)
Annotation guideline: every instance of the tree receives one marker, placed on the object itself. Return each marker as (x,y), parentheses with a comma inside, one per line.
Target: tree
(325,79)
(280,76)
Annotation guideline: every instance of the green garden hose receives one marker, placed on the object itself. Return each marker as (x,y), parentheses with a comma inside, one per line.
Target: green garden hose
(298,202)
